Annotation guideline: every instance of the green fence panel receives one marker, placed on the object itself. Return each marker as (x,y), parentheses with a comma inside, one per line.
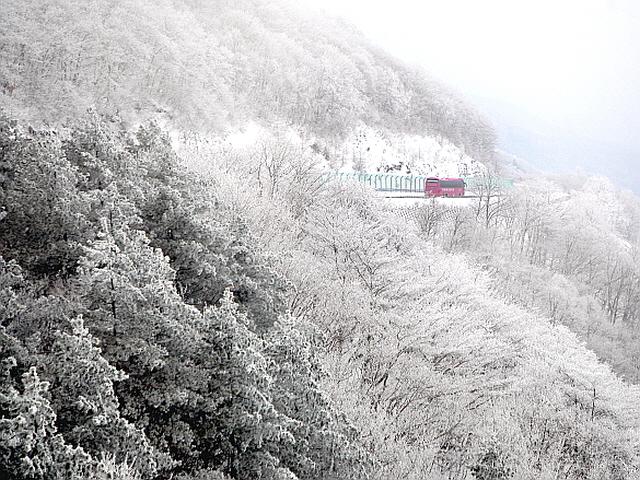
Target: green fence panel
(409,183)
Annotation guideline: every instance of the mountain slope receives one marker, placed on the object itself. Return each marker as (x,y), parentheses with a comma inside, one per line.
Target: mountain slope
(198,304)
(206,65)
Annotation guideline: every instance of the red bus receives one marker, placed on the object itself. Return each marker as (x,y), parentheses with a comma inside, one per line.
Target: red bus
(444,187)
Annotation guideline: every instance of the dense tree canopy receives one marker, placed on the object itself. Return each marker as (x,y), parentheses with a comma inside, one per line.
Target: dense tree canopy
(176,306)
(145,345)
(206,65)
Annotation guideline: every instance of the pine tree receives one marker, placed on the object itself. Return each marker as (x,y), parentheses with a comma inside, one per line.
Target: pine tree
(30,447)
(196,384)
(248,433)
(82,394)
(43,222)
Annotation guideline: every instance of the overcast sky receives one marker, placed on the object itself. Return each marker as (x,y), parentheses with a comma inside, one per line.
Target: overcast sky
(571,63)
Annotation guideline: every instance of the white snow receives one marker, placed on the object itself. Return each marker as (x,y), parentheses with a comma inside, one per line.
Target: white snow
(370,150)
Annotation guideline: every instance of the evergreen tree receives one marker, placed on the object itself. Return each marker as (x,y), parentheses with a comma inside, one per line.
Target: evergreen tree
(248,433)
(30,447)
(83,396)
(210,249)
(43,216)
(196,384)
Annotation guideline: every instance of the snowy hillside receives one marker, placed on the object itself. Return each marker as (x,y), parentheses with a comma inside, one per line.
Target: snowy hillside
(188,292)
(203,67)
(370,150)
(365,150)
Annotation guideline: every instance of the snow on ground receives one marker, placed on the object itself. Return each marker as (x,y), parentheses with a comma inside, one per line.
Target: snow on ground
(408,200)
(370,150)
(365,150)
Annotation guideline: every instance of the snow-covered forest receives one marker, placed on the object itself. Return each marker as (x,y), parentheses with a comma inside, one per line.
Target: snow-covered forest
(209,65)
(185,294)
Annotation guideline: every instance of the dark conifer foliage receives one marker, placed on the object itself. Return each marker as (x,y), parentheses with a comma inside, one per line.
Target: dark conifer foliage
(176,335)
(186,294)
(45,220)
(137,321)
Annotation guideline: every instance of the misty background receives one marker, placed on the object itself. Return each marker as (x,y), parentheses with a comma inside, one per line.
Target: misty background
(557,79)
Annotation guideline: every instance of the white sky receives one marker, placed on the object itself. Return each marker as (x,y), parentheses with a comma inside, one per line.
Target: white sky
(574,63)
